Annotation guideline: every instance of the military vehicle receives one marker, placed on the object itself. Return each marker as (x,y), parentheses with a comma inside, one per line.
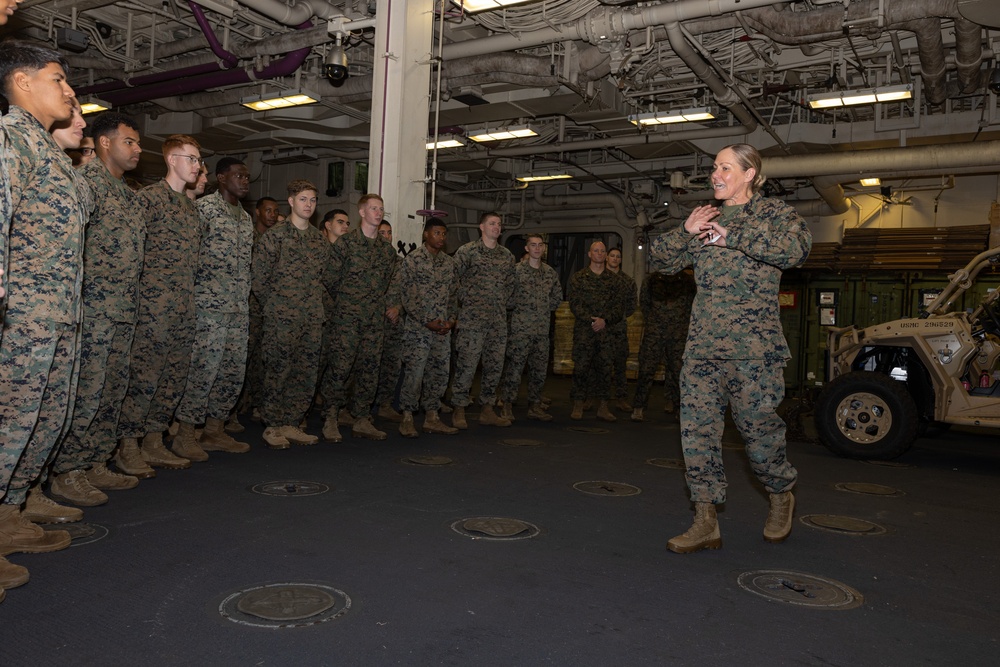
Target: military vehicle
(889,382)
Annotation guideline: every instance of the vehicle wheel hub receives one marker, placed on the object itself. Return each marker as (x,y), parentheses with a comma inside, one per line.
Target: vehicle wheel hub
(864,417)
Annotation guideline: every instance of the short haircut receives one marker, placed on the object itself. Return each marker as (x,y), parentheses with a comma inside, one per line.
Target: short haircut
(534,236)
(337,211)
(618,249)
(223,165)
(107,124)
(368,197)
(176,141)
(18,55)
(434,222)
(300,185)
(264,200)
(490,214)
(386,223)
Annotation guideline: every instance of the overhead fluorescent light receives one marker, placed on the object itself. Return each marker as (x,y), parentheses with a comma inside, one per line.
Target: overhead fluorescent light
(842,98)
(279,100)
(666,117)
(502,133)
(446,141)
(871,182)
(473,6)
(92,104)
(549,176)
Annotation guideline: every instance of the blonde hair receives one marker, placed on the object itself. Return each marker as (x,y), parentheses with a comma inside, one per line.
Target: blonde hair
(748,157)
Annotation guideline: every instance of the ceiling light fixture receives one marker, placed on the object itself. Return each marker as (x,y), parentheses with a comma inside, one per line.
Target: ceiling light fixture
(502,133)
(544,176)
(667,117)
(473,6)
(92,104)
(842,98)
(871,182)
(279,100)
(446,141)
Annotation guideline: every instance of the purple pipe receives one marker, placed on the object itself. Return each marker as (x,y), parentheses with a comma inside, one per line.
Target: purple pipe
(213,41)
(199,77)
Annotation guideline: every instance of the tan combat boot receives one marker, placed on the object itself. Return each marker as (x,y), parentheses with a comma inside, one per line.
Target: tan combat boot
(637,415)
(75,488)
(488,417)
(604,414)
(546,401)
(364,428)
(11,575)
(507,412)
(274,439)
(39,508)
(186,444)
(386,411)
(155,454)
(703,533)
(623,405)
(458,418)
(130,462)
(18,535)
(215,439)
(577,410)
(588,404)
(779,517)
(406,427)
(233,424)
(331,430)
(345,418)
(537,411)
(297,436)
(433,424)
(101,478)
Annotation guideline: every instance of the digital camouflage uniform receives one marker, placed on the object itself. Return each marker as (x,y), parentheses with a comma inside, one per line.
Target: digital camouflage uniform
(113,250)
(665,302)
(254,378)
(392,353)
(290,275)
(485,289)
(165,330)
(222,297)
(593,295)
(735,347)
(365,283)
(50,203)
(429,285)
(4,208)
(619,336)
(537,293)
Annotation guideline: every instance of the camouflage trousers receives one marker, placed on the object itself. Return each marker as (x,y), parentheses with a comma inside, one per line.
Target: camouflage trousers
(426,362)
(619,360)
(392,362)
(753,389)
(525,349)
(161,358)
(38,372)
(471,347)
(218,367)
(326,384)
(357,347)
(104,368)
(254,378)
(290,351)
(591,363)
(658,345)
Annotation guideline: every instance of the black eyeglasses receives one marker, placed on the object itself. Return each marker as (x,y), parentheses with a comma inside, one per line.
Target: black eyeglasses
(87,152)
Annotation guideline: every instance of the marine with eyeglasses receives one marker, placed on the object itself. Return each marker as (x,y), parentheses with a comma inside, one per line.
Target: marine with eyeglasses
(161,354)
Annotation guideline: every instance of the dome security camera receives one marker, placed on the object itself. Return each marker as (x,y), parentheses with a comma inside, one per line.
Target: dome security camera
(335,68)
(994,83)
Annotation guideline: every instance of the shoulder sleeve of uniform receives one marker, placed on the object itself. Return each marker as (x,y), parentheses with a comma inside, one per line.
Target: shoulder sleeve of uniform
(669,252)
(773,233)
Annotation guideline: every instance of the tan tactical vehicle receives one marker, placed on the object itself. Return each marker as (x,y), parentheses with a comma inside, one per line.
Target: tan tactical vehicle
(888,382)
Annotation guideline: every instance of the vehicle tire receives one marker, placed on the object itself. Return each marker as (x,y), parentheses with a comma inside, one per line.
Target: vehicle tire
(866,415)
